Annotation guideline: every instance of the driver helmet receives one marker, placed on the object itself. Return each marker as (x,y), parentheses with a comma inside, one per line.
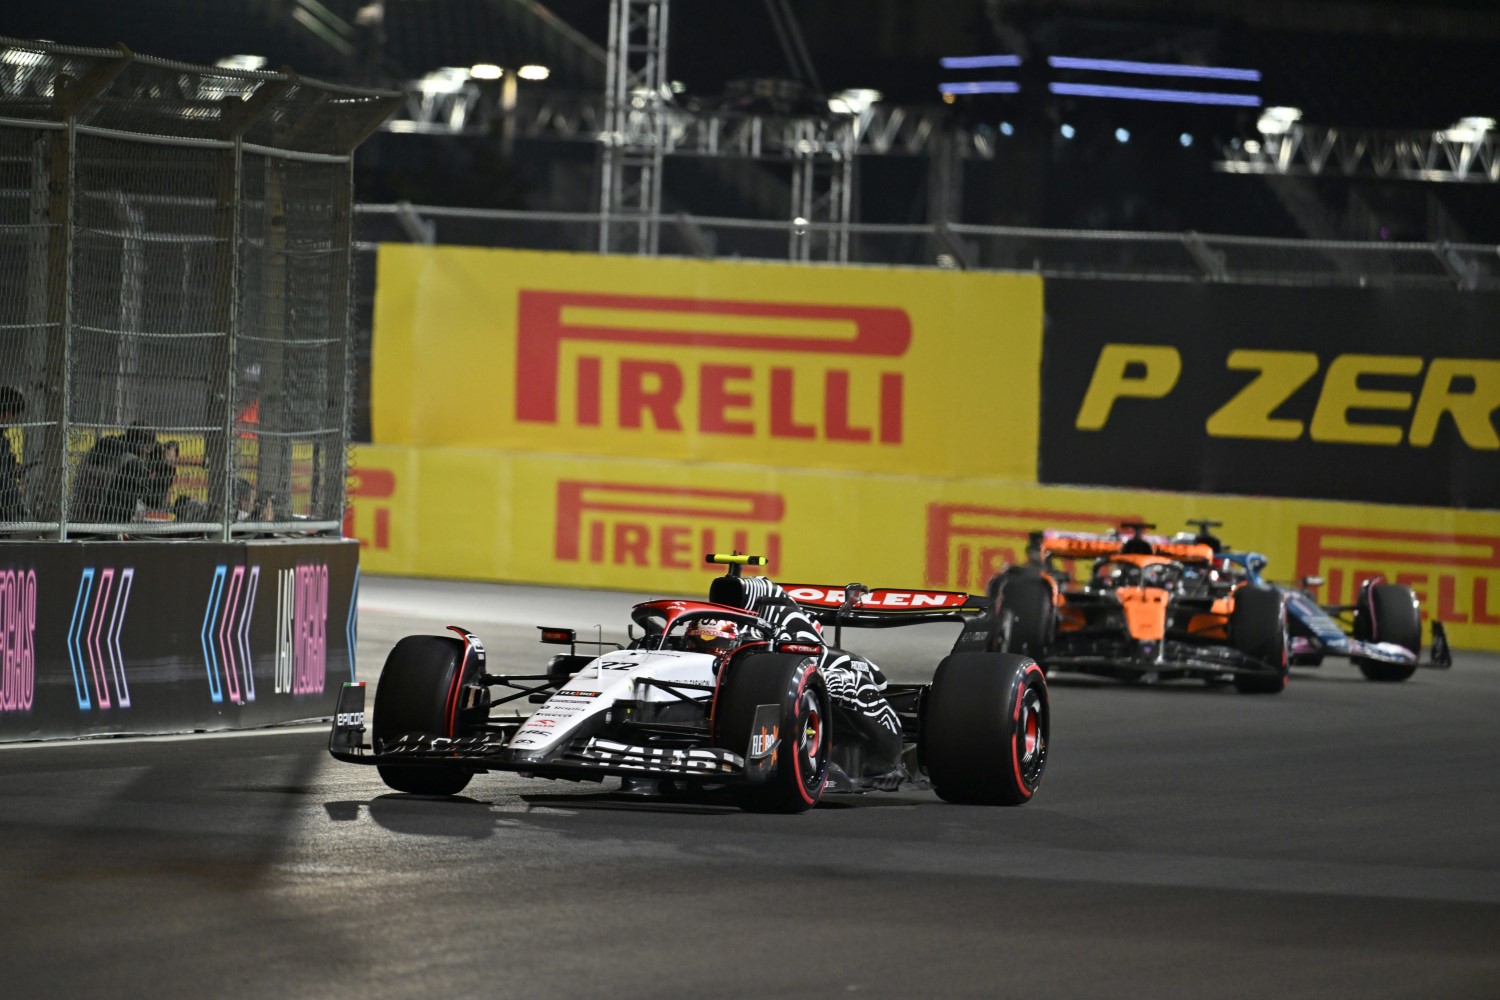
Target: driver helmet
(712,635)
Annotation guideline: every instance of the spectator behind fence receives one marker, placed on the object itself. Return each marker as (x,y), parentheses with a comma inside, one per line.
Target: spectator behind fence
(12,497)
(113,478)
(161,474)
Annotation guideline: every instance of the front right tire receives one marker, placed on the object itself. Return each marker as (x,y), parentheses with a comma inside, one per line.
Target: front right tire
(795,685)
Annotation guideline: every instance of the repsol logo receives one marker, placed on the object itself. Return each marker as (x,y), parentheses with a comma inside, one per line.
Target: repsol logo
(1456,577)
(368,516)
(17,639)
(806,372)
(302,629)
(967,544)
(1370,399)
(663,527)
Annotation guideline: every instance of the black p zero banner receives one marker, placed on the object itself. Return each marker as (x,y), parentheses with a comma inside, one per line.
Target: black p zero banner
(153,637)
(1387,395)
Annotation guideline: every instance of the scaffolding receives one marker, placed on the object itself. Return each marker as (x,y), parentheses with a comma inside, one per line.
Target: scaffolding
(1452,156)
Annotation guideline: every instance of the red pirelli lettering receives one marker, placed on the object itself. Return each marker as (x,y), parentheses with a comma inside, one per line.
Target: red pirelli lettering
(669,527)
(1449,573)
(969,543)
(731,399)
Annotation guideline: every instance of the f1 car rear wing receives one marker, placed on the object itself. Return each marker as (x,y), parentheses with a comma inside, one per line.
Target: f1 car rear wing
(1086,545)
(857,605)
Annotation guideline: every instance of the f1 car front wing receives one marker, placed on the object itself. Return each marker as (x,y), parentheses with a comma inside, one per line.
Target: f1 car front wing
(584,758)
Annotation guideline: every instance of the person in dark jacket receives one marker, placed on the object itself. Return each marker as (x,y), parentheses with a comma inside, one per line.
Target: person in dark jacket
(112,478)
(12,491)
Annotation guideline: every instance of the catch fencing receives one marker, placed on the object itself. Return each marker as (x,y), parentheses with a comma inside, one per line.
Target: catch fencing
(175,295)
(1185,257)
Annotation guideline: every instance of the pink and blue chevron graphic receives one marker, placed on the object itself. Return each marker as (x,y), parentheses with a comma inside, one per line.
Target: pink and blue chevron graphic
(94,637)
(226,633)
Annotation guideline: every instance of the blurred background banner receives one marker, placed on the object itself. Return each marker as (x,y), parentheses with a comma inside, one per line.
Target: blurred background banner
(638,524)
(911,371)
(1365,394)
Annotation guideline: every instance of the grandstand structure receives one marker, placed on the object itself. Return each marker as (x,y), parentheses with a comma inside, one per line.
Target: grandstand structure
(733,101)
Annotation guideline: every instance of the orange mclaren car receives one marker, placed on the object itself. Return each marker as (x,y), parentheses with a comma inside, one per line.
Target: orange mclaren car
(1151,608)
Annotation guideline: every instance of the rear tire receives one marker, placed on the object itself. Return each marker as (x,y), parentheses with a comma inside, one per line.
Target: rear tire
(986,723)
(1388,612)
(1257,628)
(412,697)
(1027,597)
(794,683)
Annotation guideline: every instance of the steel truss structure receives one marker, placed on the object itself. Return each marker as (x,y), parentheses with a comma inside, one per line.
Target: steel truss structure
(633,139)
(1323,150)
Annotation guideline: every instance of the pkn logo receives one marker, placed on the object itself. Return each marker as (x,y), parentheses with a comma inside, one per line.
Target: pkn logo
(302,629)
(1456,577)
(17,639)
(969,543)
(576,345)
(667,527)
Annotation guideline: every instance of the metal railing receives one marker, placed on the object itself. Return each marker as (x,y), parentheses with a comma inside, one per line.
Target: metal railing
(1058,253)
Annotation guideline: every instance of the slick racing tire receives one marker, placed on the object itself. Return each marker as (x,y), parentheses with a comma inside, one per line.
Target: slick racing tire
(795,685)
(1027,597)
(985,725)
(1257,628)
(412,697)
(1388,612)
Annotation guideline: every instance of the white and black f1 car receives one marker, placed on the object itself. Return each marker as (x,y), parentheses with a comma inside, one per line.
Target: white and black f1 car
(739,691)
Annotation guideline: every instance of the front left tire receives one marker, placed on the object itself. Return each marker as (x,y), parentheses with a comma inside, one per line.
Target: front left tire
(986,724)
(414,695)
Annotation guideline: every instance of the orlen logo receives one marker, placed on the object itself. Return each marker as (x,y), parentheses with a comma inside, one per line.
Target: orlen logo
(969,543)
(17,639)
(1456,577)
(666,527)
(372,485)
(755,397)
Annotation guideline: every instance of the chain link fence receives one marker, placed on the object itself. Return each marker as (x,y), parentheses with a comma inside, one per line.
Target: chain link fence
(1073,253)
(175,271)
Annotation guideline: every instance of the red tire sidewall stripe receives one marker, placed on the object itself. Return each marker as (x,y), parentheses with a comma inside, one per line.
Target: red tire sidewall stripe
(1016,734)
(804,673)
(453,691)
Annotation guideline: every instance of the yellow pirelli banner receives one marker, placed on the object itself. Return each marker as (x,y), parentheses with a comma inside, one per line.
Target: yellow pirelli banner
(914,372)
(473,513)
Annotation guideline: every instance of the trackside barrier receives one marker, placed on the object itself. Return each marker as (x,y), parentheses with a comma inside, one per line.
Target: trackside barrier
(112,637)
(474,513)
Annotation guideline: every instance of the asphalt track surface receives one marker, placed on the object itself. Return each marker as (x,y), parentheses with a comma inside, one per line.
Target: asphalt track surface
(1340,839)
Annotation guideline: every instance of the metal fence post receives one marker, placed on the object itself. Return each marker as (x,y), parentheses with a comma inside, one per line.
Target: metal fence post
(70,96)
